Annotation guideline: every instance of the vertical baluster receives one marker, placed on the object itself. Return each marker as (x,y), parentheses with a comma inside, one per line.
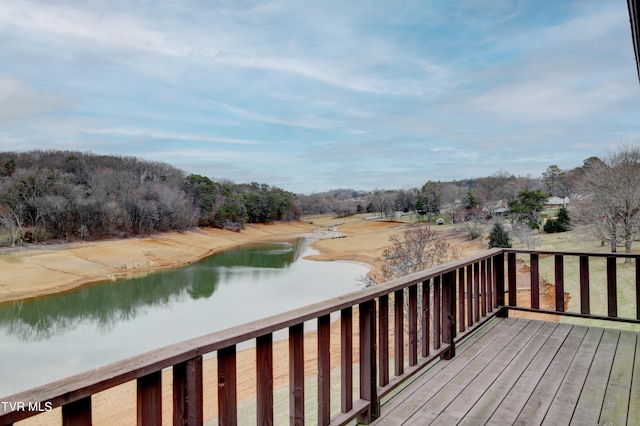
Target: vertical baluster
(187,392)
(612,290)
(638,288)
(483,287)
(469,297)
(499,279)
(264,375)
(535,281)
(149,396)
(398,327)
(490,282)
(437,335)
(383,344)
(585,306)
(227,393)
(461,300)
(324,370)
(77,413)
(296,375)
(511,272)
(476,290)
(368,386)
(346,359)
(559,281)
(413,324)
(426,318)
(449,313)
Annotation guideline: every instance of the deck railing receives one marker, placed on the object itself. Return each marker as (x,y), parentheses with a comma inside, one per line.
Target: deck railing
(407,322)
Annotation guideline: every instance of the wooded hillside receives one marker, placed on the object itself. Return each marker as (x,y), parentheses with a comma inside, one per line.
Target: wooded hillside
(67,195)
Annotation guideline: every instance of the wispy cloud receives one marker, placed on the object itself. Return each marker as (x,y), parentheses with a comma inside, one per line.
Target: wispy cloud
(310,95)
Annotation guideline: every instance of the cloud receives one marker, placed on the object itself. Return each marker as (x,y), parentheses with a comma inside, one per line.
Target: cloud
(158,134)
(361,94)
(19,102)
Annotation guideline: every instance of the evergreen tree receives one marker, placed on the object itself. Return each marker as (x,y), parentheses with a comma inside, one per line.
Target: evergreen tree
(499,237)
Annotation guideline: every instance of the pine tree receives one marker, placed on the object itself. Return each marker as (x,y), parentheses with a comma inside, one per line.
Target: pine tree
(499,237)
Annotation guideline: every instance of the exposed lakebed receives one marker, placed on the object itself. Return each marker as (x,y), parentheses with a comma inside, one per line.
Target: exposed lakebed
(52,337)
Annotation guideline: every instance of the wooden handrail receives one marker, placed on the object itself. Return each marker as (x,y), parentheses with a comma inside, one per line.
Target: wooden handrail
(443,304)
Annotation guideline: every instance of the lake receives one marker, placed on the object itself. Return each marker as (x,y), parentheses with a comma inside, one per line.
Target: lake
(52,337)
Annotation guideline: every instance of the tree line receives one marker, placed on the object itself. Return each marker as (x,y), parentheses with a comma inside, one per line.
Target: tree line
(604,193)
(53,195)
(71,195)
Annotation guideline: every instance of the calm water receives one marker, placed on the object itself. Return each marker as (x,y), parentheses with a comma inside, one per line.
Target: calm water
(53,337)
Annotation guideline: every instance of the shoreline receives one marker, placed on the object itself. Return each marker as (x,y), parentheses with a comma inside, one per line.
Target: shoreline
(29,272)
(35,271)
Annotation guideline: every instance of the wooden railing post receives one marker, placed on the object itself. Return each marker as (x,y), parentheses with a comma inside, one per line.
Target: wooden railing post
(483,287)
(585,306)
(77,413)
(368,381)
(449,313)
(535,281)
(227,393)
(346,359)
(383,342)
(413,325)
(476,291)
(324,370)
(490,283)
(150,399)
(461,300)
(296,375)
(512,279)
(426,318)
(187,392)
(498,270)
(638,288)
(437,305)
(612,290)
(469,297)
(398,330)
(559,282)
(264,377)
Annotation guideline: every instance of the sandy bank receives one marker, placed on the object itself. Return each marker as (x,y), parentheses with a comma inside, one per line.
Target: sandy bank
(46,269)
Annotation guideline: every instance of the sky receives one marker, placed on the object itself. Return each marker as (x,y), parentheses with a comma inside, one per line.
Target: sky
(317,95)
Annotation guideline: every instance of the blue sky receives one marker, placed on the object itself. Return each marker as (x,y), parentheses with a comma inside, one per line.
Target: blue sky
(314,95)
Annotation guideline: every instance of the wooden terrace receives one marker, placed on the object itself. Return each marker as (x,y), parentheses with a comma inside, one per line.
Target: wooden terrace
(447,345)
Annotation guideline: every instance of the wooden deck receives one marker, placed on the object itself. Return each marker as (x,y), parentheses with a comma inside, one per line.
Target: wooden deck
(519,371)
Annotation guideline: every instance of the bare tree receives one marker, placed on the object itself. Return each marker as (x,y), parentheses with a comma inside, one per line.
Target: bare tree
(382,201)
(415,249)
(612,191)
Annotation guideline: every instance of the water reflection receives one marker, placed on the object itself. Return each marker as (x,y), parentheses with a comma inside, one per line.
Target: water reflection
(53,337)
(106,304)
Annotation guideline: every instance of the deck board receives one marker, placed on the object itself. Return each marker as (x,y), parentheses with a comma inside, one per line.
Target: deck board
(411,401)
(542,397)
(518,371)
(468,387)
(634,409)
(592,397)
(616,407)
(564,403)
(495,392)
(519,394)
